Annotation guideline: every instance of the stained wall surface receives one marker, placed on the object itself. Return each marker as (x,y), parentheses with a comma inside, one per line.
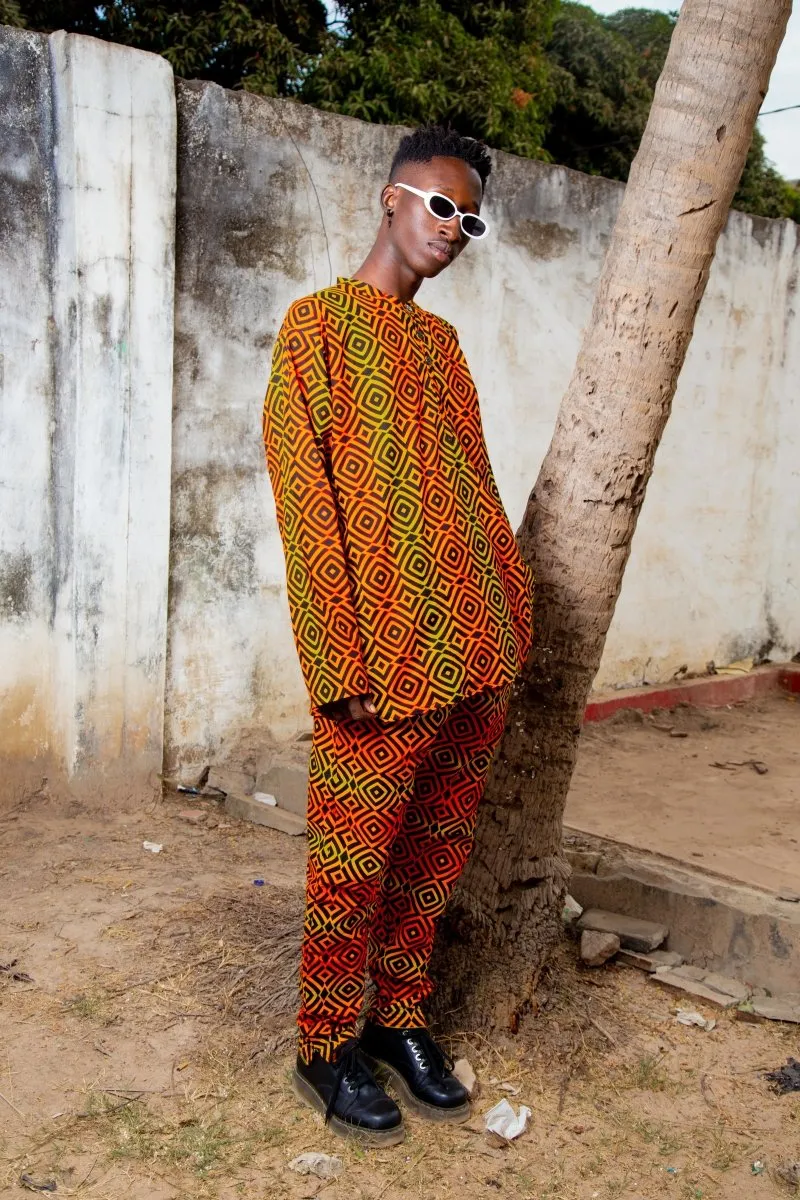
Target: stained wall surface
(276,200)
(142,593)
(87,285)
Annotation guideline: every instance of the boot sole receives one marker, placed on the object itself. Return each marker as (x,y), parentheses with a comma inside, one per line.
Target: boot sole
(429,1112)
(306,1094)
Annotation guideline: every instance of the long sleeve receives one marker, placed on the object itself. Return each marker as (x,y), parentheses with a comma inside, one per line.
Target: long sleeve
(296,409)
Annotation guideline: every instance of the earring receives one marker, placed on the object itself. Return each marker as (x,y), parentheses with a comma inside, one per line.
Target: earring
(389,215)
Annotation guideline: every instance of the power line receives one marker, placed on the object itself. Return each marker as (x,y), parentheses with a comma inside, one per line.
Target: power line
(770,111)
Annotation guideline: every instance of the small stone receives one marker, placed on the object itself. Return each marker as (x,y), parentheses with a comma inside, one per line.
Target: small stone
(462,1069)
(598,947)
(633,933)
(789,897)
(194,816)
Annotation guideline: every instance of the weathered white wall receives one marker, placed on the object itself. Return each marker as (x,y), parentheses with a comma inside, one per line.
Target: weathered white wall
(86,269)
(275,200)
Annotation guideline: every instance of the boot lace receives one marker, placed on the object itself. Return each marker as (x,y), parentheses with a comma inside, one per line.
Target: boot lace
(426,1051)
(350,1072)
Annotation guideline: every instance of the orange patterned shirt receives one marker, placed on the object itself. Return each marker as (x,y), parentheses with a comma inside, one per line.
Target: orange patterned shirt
(404,577)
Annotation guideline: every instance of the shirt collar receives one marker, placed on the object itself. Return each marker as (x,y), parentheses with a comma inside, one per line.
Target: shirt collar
(368,291)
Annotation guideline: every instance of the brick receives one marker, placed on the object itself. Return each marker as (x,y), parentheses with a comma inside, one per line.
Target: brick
(597,948)
(248,809)
(289,786)
(633,933)
(656,960)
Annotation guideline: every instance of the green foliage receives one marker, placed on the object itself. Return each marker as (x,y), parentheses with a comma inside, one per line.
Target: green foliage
(479,66)
(604,73)
(264,46)
(542,78)
(762,189)
(602,101)
(11,14)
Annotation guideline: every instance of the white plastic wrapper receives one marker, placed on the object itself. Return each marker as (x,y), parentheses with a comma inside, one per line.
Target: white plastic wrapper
(503,1121)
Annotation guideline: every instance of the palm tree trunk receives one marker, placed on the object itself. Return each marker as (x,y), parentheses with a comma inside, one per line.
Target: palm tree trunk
(577,529)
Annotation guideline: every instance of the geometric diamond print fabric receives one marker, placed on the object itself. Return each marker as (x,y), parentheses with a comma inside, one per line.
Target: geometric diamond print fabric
(391,818)
(403,574)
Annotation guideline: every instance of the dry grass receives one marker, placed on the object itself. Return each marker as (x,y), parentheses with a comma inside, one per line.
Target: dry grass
(626,1102)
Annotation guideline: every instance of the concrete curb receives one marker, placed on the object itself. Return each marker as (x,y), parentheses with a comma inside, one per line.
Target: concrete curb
(713,691)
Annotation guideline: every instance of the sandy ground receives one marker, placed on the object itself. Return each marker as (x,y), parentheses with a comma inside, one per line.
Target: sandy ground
(144,1047)
(640,783)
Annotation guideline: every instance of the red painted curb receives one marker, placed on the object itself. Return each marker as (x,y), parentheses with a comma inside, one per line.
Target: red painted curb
(712,691)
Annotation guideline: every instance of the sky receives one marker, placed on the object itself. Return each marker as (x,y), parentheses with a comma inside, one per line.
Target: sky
(782,131)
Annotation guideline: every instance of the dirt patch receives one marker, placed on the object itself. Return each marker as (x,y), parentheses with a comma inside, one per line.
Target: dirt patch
(717,787)
(145,1060)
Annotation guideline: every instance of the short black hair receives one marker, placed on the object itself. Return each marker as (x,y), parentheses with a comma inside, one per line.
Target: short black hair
(441,141)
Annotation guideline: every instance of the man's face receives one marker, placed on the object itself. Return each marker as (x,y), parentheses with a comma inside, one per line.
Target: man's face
(425,243)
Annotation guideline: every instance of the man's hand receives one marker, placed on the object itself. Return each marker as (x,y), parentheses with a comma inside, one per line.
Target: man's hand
(359,708)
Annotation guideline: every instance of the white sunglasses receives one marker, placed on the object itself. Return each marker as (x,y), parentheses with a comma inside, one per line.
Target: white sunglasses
(443,208)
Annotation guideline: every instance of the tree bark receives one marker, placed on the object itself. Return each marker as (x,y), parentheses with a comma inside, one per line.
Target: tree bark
(580,519)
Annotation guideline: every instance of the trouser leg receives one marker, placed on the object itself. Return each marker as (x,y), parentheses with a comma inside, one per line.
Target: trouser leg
(430,851)
(361,774)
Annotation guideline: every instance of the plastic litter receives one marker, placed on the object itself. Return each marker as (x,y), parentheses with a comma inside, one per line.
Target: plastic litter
(153,847)
(314,1162)
(757,1168)
(785,1079)
(265,798)
(572,910)
(506,1123)
(687,1016)
(258,883)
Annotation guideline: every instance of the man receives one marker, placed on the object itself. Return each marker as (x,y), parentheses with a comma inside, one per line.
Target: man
(411,610)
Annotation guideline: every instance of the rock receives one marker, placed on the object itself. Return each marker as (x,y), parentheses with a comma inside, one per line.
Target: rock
(248,809)
(571,909)
(789,897)
(633,933)
(462,1069)
(195,816)
(314,1162)
(289,786)
(598,947)
(656,960)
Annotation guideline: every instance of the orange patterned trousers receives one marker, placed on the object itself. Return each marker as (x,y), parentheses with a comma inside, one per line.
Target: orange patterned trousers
(391,818)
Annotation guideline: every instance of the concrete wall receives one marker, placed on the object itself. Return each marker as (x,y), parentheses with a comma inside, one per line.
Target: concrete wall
(275,200)
(87,179)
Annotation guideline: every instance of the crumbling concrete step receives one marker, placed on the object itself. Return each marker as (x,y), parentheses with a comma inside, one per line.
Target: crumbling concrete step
(742,932)
(248,809)
(772,1009)
(711,987)
(656,960)
(633,933)
(289,786)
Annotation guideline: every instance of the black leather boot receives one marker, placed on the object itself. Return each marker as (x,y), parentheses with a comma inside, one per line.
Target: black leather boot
(346,1093)
(418,1069)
